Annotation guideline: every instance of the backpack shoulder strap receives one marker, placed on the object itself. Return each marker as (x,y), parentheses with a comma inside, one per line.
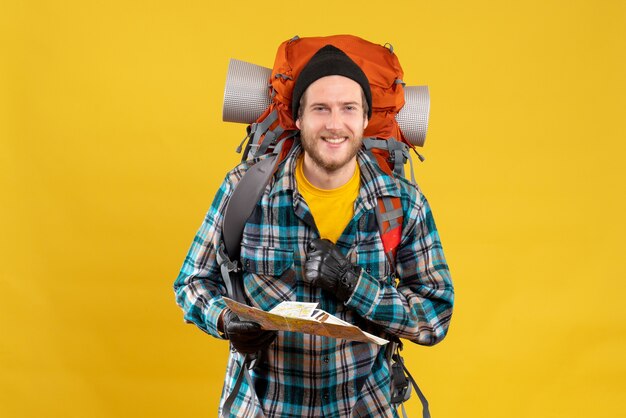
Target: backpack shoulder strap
(246,195)
(389,215)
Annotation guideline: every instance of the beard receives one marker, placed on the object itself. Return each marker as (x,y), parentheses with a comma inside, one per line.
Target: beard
(329,163)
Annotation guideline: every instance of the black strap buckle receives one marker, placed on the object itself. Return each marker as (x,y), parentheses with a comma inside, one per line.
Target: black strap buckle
(401,385)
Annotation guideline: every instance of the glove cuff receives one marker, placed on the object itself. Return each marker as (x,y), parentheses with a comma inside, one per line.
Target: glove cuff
(227,317)
(347,282)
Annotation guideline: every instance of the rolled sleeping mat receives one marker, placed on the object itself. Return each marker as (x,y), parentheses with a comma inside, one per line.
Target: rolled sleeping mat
(246,96)
(413,117)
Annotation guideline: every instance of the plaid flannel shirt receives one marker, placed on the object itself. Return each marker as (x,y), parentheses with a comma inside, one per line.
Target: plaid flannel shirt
(303,375)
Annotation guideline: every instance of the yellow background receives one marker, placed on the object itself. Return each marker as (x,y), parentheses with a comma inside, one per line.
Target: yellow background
(112,145)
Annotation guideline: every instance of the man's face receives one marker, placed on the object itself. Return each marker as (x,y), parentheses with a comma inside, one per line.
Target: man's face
(332,122)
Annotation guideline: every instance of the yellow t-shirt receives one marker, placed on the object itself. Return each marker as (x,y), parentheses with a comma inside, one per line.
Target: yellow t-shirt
(332,209)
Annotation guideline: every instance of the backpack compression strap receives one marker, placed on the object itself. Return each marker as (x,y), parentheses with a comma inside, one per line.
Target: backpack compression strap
(402,383)
(398,154)
(249,362)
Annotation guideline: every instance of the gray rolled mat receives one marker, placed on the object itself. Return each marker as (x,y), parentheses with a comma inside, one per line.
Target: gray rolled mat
(247,95)
(413,117)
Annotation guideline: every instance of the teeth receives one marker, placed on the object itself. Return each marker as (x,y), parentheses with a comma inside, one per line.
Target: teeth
(334,140)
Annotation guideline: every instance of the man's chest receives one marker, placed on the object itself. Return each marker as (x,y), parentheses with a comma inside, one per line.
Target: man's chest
(274,249)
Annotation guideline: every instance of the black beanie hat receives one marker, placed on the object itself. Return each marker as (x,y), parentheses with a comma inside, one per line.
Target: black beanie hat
(329,60)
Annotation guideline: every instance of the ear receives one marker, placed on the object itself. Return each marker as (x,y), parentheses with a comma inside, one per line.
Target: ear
(298,123)
(365,122)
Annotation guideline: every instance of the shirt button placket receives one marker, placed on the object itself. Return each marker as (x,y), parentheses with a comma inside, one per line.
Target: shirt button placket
(325,393)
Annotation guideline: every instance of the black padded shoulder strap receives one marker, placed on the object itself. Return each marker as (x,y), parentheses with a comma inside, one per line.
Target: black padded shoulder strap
(241,204)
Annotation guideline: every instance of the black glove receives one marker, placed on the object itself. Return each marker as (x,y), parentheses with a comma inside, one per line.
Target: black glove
(246,336)
(327,268)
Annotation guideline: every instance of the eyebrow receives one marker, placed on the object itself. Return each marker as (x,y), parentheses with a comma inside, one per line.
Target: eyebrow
(353,102)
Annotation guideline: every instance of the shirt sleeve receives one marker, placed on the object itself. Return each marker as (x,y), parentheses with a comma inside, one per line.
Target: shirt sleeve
(199,286)
(420,307)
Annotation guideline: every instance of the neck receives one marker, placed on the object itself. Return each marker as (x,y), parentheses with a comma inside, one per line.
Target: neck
(327,179)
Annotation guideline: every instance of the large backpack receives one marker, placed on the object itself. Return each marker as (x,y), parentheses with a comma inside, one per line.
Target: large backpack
(379,63)
(274,133)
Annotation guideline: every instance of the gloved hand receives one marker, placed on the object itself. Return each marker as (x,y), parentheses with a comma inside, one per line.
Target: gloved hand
(246,336)
(327,268)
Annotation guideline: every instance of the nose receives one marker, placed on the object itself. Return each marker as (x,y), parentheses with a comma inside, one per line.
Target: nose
(334,122)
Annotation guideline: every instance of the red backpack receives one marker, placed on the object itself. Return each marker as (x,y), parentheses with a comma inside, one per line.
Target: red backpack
(275,130)
(380,65)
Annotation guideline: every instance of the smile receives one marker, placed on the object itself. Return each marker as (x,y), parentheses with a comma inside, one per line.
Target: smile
(335,140)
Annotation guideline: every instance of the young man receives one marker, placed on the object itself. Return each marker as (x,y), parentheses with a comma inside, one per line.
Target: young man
(313,237)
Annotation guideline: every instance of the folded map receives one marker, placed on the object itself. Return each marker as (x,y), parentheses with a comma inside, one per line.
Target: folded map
(303,317)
